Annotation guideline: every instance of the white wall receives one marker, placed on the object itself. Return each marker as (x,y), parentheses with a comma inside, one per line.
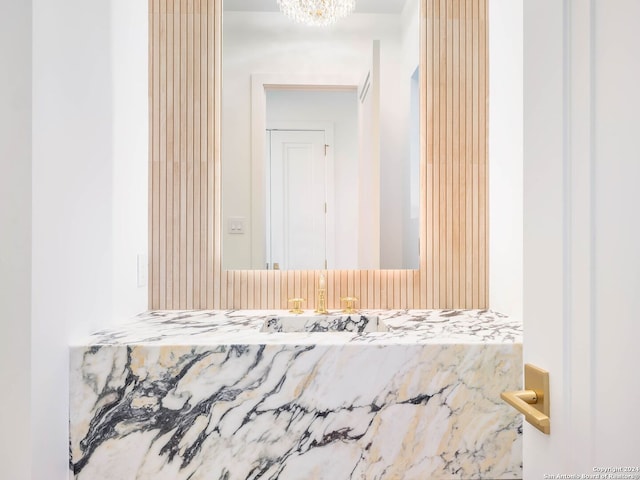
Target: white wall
(398,234)
(505,156)
(72,183)
(87,211)
(129,40)
(394,149)
(15,239)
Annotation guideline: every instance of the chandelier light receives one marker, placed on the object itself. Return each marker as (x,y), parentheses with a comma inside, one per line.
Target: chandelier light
(317,12)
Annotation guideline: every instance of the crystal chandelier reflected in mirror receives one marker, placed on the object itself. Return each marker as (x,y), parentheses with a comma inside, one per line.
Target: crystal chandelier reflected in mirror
(317,12)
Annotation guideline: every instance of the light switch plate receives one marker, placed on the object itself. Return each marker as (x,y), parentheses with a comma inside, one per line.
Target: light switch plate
(235,225)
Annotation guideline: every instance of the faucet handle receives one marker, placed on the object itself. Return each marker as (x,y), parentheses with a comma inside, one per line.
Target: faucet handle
(350,303)
(297,305)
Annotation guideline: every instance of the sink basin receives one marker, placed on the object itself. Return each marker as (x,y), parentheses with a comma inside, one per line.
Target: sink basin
(353,323)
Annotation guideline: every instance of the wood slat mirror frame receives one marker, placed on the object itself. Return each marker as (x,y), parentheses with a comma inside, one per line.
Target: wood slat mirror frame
(185,181)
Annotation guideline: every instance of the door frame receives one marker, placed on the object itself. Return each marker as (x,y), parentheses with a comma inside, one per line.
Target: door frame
(547,245)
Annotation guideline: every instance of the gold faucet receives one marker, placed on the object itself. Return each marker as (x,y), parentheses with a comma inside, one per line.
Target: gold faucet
(350,303)
(321,303)
(297,305)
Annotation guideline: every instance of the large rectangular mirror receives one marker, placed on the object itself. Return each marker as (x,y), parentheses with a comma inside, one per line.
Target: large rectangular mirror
(187,222)
(321,138)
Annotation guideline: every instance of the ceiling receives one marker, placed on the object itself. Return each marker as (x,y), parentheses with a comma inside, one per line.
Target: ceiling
(362,6)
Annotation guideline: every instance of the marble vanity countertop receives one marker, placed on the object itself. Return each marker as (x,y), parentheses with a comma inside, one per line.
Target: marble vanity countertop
(218,327)
(195,395)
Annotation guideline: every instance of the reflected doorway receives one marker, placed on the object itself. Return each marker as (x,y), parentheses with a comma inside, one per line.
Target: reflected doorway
(297,227)
(326,223)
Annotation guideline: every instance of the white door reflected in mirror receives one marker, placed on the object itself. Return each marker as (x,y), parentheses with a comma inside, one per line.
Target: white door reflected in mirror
(297,220)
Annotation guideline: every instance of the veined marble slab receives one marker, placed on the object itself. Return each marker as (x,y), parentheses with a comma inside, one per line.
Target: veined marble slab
(349,323)
(222,327)
(206,395)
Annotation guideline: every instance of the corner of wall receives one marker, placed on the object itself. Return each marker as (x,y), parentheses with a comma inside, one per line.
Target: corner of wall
(506,156)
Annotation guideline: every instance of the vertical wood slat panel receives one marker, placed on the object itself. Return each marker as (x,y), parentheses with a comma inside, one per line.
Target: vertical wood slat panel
(475,153)
(162,148)
(217,186)
(213,283)
(449,156)
(484,157)
(181,154)
(189,78)
(185,183)
(174,253)
(468,154)
(153,277)
(424,296)
(437,125)
(462,152)
(203,153)
(197,142)
(443,159)
(182,175)
(168,284)
(456,273)
(455,155)
(154,78)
